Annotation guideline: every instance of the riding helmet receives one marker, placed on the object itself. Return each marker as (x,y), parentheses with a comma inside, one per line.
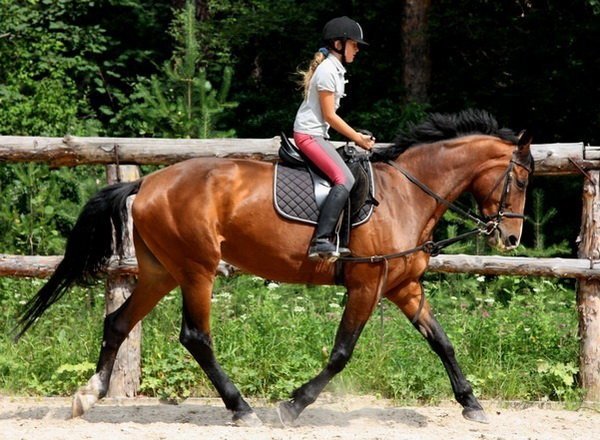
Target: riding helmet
(343,28)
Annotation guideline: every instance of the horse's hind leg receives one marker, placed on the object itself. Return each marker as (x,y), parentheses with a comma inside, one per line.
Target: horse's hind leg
(358,309)
(195,336)
(408,299)
(154,282)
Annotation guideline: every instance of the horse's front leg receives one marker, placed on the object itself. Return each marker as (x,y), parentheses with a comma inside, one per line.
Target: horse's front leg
(359,308)
(408,298)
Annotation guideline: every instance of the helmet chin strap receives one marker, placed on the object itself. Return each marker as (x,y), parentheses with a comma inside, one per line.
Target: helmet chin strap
(341,52)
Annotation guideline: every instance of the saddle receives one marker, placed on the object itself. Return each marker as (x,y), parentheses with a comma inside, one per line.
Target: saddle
(300,188)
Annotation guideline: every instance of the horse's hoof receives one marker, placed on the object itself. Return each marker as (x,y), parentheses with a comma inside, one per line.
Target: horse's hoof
(82,401)
(246,420)
(287,414)
(86,396)
(475,415)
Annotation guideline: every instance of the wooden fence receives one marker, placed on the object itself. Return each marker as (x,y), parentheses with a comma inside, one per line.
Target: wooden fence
(550,159)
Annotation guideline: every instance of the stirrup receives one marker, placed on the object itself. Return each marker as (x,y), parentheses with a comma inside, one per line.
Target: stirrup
(323,249)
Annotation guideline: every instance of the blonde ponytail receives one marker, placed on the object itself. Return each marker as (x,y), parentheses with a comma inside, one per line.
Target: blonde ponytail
(306,75)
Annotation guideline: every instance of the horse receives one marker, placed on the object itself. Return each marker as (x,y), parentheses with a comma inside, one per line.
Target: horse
(191,215)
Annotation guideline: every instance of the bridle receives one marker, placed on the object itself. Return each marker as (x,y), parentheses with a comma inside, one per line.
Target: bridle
(508,177)
(485,225)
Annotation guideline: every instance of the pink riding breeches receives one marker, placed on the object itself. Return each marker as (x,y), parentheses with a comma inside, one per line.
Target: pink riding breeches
(323,155)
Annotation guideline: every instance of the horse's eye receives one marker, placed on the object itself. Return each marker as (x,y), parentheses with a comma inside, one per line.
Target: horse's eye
(521,184)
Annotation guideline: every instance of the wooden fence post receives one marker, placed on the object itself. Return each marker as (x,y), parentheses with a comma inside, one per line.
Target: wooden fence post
(588,291)
(125,378)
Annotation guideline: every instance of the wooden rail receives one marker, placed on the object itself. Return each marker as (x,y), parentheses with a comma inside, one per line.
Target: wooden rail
(550,159)
(72,151)
(36,266)
(21,266)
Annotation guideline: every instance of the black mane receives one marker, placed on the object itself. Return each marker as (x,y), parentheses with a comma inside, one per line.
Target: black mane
(440,126)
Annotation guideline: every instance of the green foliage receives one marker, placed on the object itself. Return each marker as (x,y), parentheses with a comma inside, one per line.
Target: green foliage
(65,66)
(267,40)
(44,60)
(515,338)
(49,71)
(71,376)
(181,101)
(540,218)
(507,325)
(391,117)
(561,378)
(595,4)
(55,357)
(38,207)
(172,376)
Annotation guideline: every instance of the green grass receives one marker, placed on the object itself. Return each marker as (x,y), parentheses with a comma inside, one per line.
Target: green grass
(515,338)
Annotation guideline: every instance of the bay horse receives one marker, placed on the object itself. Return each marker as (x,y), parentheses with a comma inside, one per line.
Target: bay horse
(190,215)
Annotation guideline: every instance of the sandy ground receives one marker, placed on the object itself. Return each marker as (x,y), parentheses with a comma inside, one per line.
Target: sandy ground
(332,417)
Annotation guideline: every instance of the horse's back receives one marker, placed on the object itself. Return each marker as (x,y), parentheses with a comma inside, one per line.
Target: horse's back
(202,182)
(188,205)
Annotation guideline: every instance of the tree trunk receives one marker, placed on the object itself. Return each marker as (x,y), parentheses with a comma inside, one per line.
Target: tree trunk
(416,56)
(125,378)
(588,293)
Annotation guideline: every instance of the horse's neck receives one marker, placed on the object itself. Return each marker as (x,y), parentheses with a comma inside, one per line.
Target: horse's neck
(446,168)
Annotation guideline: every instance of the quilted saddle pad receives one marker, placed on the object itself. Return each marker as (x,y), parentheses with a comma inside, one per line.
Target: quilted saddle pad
(294,196)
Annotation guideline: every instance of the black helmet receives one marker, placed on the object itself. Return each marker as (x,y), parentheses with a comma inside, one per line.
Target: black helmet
(343,28)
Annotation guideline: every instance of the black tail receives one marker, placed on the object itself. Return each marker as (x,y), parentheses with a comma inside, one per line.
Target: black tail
(89,248)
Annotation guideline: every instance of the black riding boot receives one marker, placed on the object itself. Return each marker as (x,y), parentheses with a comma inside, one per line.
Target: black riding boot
(322,245)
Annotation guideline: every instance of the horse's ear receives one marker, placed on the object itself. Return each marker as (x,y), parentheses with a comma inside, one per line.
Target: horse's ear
(525,138)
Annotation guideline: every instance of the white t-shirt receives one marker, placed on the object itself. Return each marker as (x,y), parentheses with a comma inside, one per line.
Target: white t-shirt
(328,76)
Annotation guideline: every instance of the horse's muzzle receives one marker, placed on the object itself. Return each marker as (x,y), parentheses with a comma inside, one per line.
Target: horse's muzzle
(503,241)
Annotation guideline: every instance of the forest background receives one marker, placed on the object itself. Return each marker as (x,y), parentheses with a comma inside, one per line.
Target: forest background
(215,68)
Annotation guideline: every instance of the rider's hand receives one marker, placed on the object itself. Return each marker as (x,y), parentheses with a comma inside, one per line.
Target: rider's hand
(365,141)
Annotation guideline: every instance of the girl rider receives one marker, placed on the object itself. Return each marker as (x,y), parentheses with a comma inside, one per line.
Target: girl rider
(323,89)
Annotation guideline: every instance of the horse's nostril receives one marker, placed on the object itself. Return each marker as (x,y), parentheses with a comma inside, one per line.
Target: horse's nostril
(512,240)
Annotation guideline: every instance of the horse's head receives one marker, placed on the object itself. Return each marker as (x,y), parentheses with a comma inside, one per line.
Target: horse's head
(500,193)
